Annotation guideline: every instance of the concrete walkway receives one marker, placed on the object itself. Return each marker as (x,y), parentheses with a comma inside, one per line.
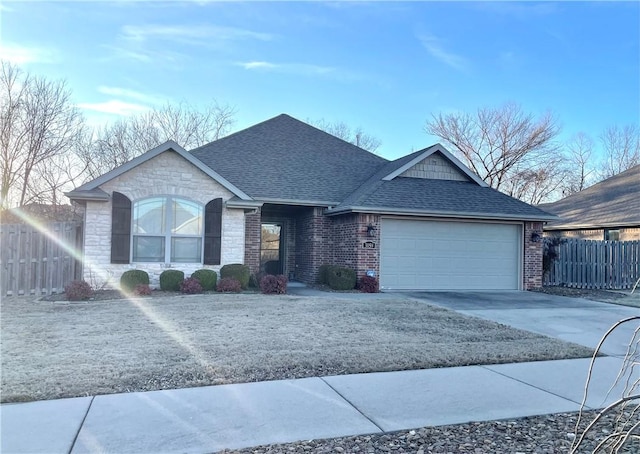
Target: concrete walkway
(208,419)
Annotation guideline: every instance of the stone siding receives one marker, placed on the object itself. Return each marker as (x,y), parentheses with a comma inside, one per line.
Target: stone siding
(435,167)
(166,174)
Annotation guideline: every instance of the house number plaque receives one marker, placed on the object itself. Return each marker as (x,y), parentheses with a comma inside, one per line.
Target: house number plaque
(369,245)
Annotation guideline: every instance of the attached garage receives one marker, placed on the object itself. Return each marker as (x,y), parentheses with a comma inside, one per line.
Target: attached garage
(450,255)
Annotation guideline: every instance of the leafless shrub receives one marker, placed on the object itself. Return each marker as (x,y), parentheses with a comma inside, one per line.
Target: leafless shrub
(624,436)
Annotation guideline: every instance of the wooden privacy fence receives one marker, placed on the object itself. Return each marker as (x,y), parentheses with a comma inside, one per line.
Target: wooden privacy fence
(39,260)
(595,264)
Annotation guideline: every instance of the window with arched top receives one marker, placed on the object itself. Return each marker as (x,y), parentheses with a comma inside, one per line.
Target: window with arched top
(167,229)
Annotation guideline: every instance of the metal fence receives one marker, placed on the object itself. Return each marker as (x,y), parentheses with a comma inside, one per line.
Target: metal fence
(39,260)
(595,264)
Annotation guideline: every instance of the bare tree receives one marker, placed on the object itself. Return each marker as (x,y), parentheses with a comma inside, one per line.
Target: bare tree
(503,145)
(115,144)
(341,130)
(38,122)
(621,146)
(579,152)
(51,178)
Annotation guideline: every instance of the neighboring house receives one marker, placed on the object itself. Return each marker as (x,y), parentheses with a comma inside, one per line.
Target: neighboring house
(285,197)
(609,210)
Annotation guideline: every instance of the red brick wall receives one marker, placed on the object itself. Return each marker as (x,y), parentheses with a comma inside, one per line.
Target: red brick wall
(313,244)
(252,240)
(532,270)
(349,232)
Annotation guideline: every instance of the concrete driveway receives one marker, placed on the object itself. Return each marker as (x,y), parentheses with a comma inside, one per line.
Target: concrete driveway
(571,319)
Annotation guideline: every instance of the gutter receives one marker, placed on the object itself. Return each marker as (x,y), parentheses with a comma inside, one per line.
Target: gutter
(444,214)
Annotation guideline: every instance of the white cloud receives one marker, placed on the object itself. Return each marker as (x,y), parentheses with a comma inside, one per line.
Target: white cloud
(258,65)
(126,93)
(190,34)
(296,68)
(435,48)
(21,55)
(115,107)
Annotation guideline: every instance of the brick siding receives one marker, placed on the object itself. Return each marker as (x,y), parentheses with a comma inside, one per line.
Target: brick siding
(532,270)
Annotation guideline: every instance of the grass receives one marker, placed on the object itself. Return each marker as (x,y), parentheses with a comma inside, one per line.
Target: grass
(54,350)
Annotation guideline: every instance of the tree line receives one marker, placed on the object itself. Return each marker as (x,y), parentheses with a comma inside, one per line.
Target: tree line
(46,146)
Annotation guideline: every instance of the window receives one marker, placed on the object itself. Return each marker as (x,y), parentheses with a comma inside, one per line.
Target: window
(612,235)
(167,229)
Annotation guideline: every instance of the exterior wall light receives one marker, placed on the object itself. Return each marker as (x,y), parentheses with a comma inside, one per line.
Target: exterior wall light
(535,237)
(371,231)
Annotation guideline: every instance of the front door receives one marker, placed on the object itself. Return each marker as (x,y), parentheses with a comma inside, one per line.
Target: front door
(271,248)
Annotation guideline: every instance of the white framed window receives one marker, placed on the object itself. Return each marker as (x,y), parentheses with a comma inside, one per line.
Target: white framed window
(167,229)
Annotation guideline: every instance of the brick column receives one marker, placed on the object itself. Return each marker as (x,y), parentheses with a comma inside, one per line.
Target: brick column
(252,228)
(532,272)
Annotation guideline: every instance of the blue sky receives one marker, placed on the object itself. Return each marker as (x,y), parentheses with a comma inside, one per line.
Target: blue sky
(386,67)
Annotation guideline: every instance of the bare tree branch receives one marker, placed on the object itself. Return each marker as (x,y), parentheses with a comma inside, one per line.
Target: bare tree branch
(115,144)
(621,146)
(511,150)
(341,130)
(39,122)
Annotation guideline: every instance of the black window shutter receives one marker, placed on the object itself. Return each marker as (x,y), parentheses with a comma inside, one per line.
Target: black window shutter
(212,232)
(120,228)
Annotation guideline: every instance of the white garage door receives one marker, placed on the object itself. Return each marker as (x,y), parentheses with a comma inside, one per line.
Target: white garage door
(446,255)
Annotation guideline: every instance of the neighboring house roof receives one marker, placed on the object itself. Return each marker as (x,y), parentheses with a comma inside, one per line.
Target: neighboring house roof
(614,202)
(286,161)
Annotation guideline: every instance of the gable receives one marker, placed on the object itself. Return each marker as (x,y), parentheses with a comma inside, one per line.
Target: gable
(435,167)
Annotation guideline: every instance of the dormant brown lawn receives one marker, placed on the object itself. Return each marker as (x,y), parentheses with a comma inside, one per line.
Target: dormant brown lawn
(53,350)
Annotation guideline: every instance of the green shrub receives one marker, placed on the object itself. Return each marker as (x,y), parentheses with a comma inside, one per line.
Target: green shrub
(170,280)
(207,279)
(132,278)
(78,291)
(237,271)
(340,278)
(323,273)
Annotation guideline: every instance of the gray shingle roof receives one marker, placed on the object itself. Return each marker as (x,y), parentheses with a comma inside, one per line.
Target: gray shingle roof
(446,197)
(614,202)
(286,159)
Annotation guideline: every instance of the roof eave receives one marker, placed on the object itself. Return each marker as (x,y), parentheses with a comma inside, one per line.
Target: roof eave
(298,202)
(437,213)
(93,195)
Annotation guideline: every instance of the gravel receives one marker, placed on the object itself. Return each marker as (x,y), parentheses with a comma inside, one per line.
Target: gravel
(538,434)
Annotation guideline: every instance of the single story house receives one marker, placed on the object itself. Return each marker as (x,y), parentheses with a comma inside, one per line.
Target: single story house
(285,197)
(609,210)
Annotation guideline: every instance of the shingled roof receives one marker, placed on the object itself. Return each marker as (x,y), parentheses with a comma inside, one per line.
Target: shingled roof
(284,159)
(614,202)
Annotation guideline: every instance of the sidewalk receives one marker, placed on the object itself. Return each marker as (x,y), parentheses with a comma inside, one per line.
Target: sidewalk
(208,419)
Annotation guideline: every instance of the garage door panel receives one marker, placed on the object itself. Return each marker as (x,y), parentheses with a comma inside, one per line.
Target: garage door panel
(447,255)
